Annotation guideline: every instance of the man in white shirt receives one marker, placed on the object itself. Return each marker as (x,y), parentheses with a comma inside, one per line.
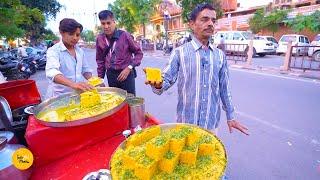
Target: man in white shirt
(22,51)
(66,67)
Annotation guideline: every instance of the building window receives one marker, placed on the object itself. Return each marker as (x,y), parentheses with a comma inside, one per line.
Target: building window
(175,23)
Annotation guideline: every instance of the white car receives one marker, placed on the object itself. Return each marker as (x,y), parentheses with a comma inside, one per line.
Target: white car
(314,52)
(232,40)
(270,39)
(297,40)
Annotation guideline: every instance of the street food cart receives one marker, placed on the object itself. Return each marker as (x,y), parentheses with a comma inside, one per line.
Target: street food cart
(74,149)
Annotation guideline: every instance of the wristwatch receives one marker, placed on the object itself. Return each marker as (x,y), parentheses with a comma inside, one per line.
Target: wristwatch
(130,67)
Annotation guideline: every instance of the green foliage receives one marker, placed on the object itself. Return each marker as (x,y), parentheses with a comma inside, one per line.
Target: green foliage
(302,22)
(49,7)
(49,35)
(315,18)
(270,21)
(35,28)
(26,18)
(130,13)
(274,19)
(255,22)
(88,36)
(11,15)
(189,5)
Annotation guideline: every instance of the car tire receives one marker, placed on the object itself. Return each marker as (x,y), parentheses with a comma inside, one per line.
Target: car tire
(316,56)
(261,55)
(253,54)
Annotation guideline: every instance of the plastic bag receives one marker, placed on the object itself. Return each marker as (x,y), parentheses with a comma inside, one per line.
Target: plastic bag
(2,78)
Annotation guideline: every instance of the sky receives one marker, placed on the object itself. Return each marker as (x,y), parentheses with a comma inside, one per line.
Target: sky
(84,11)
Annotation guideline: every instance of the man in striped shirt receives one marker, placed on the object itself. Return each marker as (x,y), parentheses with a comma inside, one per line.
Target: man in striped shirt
(203,77)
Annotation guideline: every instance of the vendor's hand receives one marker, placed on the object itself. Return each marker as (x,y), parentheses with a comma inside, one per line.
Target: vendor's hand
(235,124)
(156,84)
(124,74)
(82,86)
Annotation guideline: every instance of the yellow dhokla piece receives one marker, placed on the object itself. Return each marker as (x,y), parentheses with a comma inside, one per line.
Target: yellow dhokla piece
(128,174)
(153,74)
(131,156)
(149,133)
(89,99)
(189,155)
(193,138)
(176,145)
(94,81)
(206,149)
(169,162)
(145,167)
(157,147)
(178,138)
(143,136)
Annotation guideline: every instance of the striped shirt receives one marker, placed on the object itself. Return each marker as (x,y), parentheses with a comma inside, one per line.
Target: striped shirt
(203,78)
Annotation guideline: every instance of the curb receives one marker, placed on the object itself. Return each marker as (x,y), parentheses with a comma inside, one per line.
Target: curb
(308,75)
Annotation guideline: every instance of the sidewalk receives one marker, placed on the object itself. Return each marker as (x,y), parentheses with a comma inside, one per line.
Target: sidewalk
(277,70)
(156,53)
(254,67)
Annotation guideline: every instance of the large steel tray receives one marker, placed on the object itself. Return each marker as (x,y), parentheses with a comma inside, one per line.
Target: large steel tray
(66,99)
(168,126)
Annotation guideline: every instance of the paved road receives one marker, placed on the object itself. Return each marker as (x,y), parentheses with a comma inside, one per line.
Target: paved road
(281,112)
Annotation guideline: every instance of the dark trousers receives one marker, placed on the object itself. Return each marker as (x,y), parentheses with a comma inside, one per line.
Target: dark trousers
(128,84)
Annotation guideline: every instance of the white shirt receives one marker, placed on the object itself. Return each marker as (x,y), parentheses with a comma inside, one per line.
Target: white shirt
(60,61)
(22,52)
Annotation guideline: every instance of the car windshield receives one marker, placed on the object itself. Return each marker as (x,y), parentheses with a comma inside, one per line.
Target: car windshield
(288,38)
(247,35)
(258,38)
(272,39)
(317,38)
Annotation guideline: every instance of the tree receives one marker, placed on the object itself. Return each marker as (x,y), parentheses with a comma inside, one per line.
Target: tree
(49,7)
(87,36)
(188,5)
(49,35)
(131,13)
(123,15)
(41,10)
(315,18)
(270,21)
(11,16)
(255,22)
(34,26)
(301,22)
(274,19)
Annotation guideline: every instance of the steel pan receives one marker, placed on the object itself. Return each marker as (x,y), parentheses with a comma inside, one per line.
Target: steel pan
(66,99)
(168,126)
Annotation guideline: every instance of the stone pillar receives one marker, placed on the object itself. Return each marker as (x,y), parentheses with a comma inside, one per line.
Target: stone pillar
(287,58)
(250,53)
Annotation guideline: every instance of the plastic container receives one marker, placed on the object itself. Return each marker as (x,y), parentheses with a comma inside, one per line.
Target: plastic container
(20,93)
